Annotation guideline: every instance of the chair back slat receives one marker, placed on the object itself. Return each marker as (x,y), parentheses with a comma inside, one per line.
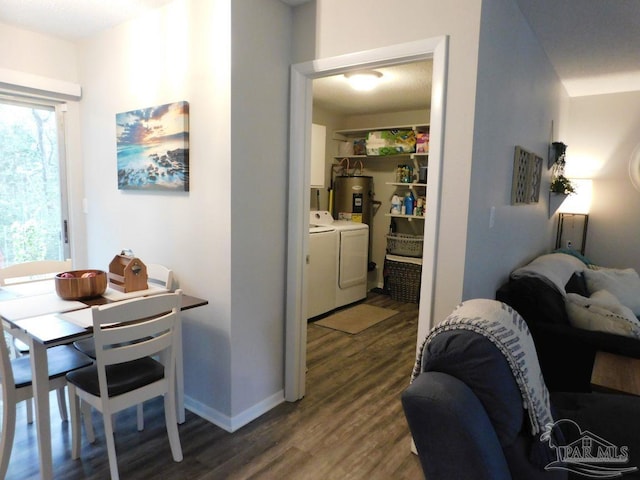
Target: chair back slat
(26,271)
(132,331)
(146,327)
(144,348)
(134,309)
(160,276)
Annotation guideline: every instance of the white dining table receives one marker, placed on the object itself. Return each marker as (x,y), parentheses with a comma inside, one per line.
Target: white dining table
(39,318)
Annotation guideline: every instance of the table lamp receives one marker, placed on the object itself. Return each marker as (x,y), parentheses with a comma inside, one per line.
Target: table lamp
(573,216)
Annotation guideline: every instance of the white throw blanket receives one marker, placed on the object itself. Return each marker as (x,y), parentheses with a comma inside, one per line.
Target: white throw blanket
(506,329)
(554,268)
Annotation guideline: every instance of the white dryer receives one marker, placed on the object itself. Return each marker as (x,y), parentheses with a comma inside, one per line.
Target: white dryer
(353,253)
(352,246)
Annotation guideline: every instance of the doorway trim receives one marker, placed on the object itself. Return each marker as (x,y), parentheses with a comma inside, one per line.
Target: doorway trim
(301,100)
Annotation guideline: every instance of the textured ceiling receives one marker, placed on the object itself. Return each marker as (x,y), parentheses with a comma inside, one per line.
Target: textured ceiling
(594,45)
(72,19)
(402,87)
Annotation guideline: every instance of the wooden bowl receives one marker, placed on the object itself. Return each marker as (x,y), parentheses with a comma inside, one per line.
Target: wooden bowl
(78,287)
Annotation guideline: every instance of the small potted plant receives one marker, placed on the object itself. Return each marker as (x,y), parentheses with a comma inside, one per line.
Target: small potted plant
(562,185)
(559,151)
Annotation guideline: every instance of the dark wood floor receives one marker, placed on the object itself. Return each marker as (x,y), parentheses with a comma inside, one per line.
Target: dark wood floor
(350,424)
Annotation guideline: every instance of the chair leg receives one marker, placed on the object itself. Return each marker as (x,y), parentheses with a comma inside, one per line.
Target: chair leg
(74,406)
(62,404)
(171,420)
(88,424)
(29,410)
(111,444)
(8,432)
(140,415)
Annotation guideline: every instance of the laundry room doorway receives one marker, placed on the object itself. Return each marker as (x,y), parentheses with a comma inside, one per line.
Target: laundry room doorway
(302,76)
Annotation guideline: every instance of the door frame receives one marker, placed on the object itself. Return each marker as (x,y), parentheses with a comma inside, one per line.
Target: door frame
(301,99)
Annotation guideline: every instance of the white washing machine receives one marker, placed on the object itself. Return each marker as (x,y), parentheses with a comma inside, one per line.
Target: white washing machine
(352,246)
(322,269)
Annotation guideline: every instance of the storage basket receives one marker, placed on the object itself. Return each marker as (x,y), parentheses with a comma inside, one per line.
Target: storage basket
(402,279)
(405,244)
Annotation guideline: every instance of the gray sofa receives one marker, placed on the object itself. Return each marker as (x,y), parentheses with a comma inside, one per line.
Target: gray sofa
(566,353)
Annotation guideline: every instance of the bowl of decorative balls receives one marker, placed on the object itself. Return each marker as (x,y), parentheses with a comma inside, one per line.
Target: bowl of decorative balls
(80,284)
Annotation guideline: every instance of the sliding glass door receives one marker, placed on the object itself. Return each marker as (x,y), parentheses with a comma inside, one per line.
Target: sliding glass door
(33,212)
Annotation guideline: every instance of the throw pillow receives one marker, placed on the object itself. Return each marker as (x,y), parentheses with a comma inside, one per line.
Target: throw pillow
(535,300)
(577,284)
(601,312)
(623,283)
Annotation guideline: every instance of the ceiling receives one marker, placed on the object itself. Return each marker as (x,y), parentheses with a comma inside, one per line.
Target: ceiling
(73,19)
(401,87)
(594,45)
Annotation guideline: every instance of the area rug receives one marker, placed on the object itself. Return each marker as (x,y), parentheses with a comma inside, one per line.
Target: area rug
(356,319)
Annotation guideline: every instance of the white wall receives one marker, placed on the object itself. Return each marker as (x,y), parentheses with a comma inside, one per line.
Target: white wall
(519,95)
(304,32)
(225,238)
(162,57)
(261,49)
(601,134)
(38,54)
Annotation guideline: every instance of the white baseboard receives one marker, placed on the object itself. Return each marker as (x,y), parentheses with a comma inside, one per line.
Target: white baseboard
(231,424)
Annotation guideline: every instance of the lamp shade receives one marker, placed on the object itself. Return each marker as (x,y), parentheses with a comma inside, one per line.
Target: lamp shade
(580,201)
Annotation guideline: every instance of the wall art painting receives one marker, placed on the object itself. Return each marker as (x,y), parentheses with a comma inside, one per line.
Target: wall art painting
(153,148)
(527,176)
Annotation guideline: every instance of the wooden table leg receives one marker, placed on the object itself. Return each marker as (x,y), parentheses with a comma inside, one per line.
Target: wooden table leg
(39,369)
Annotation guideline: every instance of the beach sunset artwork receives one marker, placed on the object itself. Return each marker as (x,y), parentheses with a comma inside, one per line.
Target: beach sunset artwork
(153,148)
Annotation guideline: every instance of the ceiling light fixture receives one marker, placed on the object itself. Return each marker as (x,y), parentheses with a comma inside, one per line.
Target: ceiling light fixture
(363,80)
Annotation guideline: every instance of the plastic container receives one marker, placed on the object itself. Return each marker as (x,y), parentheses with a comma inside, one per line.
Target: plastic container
(409,202)
(396,204)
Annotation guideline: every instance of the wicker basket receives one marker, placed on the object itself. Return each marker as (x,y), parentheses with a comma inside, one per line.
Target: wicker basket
(402,279)
(405,244)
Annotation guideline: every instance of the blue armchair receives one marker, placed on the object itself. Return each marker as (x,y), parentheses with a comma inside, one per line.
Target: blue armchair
(465,412)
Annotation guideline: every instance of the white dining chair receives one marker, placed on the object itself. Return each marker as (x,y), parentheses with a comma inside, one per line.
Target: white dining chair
(158,276)
(32,271)
(17,387)
(127,335)
(27,272)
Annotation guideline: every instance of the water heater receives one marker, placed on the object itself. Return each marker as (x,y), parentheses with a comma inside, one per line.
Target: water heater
(353,199)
